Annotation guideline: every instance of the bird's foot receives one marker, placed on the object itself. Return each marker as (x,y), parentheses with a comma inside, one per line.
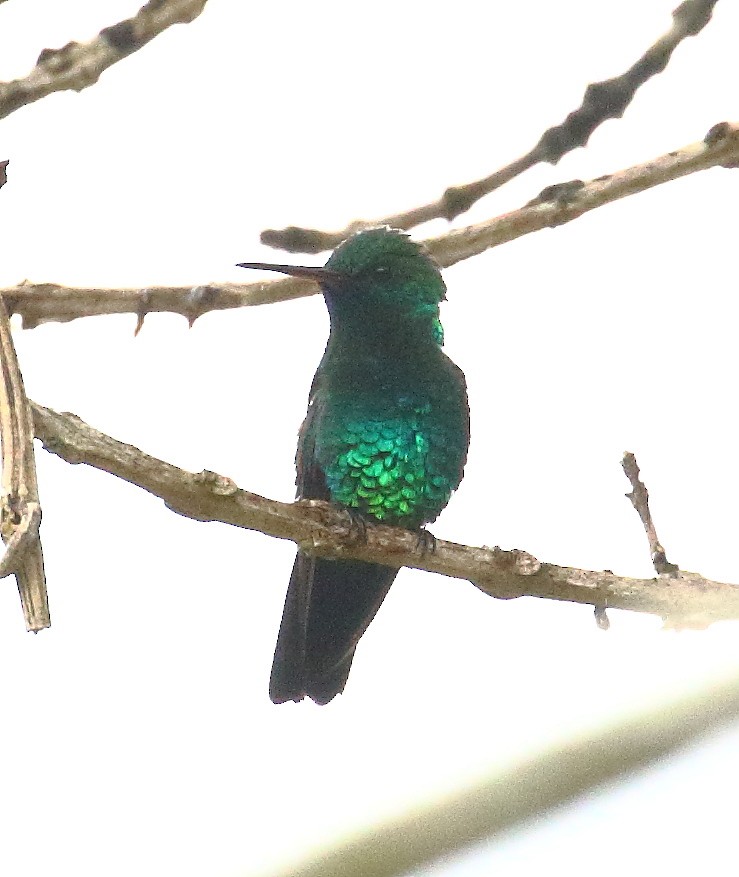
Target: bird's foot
(425,542)
(356,528)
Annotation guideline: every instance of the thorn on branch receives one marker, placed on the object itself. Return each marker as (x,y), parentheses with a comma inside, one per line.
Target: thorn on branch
(199,300)
(602,620)
(639,497)
(142,310)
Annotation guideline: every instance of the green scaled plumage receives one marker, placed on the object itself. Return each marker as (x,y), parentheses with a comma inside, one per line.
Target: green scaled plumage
(386,436)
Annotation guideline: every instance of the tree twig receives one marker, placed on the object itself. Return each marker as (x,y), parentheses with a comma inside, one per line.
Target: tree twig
(687,601)
(603,100)
(505,800)
(20,511)
(639,497)
(50,302)
(79,65)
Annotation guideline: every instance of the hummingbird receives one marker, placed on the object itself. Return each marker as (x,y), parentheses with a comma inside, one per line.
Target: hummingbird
(385,436)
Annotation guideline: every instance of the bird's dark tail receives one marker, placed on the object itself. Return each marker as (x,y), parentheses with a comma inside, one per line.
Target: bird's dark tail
(328,607)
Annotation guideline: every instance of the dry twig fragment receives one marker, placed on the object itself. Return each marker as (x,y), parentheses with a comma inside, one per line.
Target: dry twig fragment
(639,497)
(20,511)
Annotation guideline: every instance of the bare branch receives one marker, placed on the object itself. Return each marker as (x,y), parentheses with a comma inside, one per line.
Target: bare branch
(20,511)
(79,65)
(505,800)
(557,205)
(639,497)
(602,100)
(318,527)
(39,303)
(49,302)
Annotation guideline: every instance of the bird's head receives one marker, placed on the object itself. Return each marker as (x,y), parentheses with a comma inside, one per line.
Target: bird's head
(378,276)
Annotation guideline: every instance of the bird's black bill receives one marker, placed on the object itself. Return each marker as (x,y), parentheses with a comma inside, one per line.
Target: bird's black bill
(321,275)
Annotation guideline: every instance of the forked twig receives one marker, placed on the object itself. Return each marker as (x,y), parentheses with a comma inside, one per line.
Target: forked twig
(603,100)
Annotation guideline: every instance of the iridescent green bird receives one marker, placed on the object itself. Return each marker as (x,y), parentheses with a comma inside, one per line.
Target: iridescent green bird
(385,436)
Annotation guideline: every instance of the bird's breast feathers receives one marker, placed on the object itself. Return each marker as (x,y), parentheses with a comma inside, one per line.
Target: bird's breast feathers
(397,463)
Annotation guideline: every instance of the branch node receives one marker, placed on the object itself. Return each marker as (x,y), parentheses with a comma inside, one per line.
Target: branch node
(219,485)
(562,194)
(717,133)
(458,199)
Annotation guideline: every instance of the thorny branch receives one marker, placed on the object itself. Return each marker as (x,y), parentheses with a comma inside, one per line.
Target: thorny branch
(49,302)
(639,497)
(686,601)
(602,100)
(78,65)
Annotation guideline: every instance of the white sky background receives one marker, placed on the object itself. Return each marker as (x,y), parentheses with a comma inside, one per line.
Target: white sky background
(137,734)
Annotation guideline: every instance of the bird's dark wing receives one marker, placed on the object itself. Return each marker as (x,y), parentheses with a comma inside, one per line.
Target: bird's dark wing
(310,481)
(288,667)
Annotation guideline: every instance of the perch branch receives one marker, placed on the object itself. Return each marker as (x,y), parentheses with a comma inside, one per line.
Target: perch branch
(686,601)
(499,803)
(20,511)
(639,497)
(602,100)
(78,65)
(49,302)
